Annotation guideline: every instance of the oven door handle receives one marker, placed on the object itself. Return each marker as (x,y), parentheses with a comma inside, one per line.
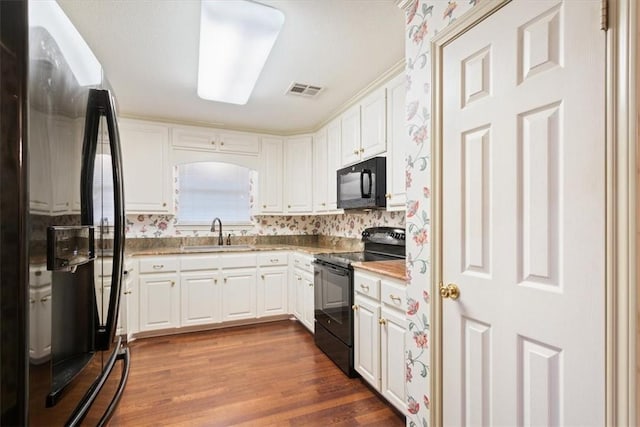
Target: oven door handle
(337,271)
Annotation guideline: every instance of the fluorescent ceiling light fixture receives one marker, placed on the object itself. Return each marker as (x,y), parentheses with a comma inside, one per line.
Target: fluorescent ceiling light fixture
(236,37)
(83,63)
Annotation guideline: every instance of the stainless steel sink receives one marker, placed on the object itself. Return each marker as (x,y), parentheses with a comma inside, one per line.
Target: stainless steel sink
(216,248)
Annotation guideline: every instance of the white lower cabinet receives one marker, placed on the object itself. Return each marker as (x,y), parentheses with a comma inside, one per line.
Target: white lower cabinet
(239,294)
(302,289)
(159,288)
(200,298)
(272,284)
(379,331)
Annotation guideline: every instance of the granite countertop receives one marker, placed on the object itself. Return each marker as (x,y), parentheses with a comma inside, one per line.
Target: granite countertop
(312,250)
(394,268)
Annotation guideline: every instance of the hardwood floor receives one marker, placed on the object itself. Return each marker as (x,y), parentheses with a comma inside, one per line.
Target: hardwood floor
(262,375)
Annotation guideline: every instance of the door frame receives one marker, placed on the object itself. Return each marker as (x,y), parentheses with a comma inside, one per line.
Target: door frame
(621,127)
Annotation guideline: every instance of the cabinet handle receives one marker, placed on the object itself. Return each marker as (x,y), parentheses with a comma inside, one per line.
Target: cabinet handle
(354,307)
(164,205)
(274,260)
(362,150)
(213,143)
(225,280)
(364,287)
(173,282)
(32,301)
(158,266)
(262,276)
(299,278)
(324,204)
(310,284)
(44,299)
(215,281)
(127,292)
(221,142)
(388,195)
(382,321)
(395,298)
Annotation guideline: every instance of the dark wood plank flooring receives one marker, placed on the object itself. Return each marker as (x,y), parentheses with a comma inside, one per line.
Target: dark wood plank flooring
(261,375)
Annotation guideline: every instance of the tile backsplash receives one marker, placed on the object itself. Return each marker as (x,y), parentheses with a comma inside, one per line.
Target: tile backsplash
(340,225)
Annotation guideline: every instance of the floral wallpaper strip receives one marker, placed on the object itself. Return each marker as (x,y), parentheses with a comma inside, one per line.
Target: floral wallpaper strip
(342,225)
(424,19)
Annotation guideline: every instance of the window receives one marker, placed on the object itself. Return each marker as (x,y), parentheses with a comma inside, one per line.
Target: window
(213,189)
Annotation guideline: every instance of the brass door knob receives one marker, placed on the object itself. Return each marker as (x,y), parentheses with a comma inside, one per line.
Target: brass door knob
(449,291)
(382,321)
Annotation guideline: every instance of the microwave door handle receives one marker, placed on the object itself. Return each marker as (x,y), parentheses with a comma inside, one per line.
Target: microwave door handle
(367,194)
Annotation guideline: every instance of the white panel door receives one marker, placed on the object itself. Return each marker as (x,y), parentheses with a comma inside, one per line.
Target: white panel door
(201,300)
(239,294)
(373,138)
(271,176)
(299,174)
(366,334)
(397,138)
(523,218)
(319,171)
(159,302)
(350,135)
(333,163)
(272,291)
(392,363)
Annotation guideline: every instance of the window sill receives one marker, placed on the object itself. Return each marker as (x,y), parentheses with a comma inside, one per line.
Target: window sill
(232,228)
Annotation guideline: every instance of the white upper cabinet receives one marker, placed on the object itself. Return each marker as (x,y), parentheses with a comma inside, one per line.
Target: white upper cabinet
(298,155)
(334,130)
(319,171)
(364,128)
(208,139)
(350,135)
(271,176)
(373,138)
(397,142)
(148,176)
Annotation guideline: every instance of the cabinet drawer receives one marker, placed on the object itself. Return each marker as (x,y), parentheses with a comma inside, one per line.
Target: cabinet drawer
(199,262)
(103,267)
(366,284)
(158,265)
(274,258)
(393,294)
(238,260)
(303,261)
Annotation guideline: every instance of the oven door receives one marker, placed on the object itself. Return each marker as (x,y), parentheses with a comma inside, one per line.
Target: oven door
(333,300)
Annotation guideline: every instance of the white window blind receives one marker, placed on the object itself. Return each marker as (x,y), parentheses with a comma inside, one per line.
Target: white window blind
(213,189)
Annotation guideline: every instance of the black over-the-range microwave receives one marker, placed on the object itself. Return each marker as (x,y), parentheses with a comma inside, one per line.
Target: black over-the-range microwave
(363,185)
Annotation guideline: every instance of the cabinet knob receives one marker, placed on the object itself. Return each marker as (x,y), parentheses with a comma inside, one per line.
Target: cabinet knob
(213,143)
(164,205)
(362,150)
(158,266)
(173,282)
(262,276)
(225,280)
(355,151)
(215,280)
(388,195)
(324,204)
(32,301)
(127,292)
(221,142)
(44,299)
(354,307)
(310,284)
(364,287)
(264,206)
(289,206)
(382,321)
(38,273)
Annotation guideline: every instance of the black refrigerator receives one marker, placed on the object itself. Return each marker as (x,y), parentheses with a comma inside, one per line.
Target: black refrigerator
(61,224)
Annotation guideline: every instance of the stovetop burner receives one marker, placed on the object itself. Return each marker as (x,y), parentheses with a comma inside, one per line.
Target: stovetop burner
(380,244)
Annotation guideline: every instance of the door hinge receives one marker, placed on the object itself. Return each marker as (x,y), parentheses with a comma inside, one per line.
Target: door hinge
(604,15)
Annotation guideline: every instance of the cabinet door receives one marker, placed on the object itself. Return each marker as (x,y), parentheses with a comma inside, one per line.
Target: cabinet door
(299,172)
(200,300)
(244,143)
(373,138)
(239,294)
(148,177)
(396,143)
(272,291)
(367,340)
(350,135)
(333,163)
(159,301)
(392,358)
(320,171)
(130,298)
(271,176)
(194,138)
(308,315)
(298,288)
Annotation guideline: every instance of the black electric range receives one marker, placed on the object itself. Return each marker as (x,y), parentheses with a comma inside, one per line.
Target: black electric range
(334,291)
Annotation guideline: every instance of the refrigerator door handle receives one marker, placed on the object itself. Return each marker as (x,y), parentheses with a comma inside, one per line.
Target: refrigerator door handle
(101,103)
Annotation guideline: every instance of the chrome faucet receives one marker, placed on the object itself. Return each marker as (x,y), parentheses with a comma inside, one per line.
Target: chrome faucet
(213,229)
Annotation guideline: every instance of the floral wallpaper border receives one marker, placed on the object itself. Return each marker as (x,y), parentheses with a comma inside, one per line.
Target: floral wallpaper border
(424,19)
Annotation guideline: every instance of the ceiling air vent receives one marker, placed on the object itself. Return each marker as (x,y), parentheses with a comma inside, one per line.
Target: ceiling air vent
(301,89)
